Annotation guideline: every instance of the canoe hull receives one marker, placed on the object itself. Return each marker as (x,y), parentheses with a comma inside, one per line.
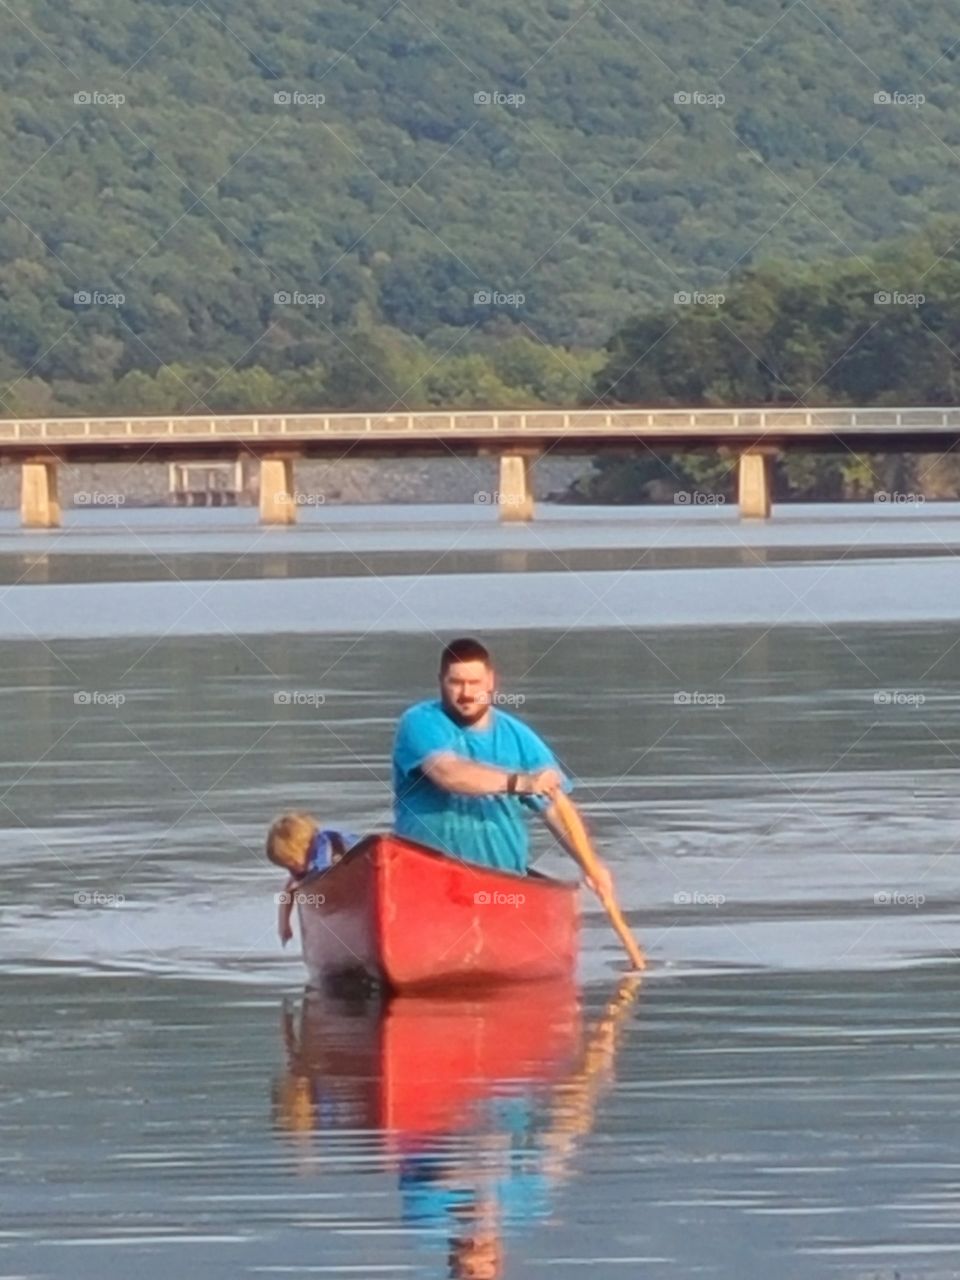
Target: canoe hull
(409,918)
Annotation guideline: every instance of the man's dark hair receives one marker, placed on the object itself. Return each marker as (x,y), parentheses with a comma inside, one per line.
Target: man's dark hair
(463,650)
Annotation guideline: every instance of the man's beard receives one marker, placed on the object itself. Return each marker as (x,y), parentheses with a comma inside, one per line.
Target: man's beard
(471,716)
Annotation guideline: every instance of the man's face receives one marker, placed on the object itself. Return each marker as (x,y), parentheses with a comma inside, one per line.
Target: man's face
(467,689)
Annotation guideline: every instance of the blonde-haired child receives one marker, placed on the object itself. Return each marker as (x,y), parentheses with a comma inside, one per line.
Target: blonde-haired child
(297,843)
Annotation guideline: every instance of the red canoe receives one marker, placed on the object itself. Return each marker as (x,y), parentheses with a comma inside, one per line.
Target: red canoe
(412,919)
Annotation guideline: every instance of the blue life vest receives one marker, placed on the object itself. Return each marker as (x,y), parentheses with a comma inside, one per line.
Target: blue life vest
(321,853)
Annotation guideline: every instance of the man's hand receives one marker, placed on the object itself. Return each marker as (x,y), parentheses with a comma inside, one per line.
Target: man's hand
(286,932)
(545,782)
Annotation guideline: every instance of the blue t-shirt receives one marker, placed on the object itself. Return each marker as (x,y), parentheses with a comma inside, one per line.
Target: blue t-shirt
(490,830)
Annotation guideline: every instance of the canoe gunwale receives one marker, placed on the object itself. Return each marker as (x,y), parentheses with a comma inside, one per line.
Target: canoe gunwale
(540,879)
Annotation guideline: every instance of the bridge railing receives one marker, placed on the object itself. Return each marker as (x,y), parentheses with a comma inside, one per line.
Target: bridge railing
(534,422)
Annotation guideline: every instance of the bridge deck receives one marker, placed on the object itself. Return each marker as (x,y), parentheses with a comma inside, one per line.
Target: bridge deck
(588,430)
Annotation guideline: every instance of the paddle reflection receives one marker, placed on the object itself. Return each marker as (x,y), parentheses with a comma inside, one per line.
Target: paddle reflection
(478,1103)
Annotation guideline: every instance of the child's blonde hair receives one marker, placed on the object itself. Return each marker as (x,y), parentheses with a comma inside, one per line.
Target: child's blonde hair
(289,839)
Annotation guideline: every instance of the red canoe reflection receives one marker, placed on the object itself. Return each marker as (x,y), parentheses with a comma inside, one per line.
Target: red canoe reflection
(479,1103)
(419,1066)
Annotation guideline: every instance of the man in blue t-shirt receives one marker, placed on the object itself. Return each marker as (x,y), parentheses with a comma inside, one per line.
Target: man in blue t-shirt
(467,775)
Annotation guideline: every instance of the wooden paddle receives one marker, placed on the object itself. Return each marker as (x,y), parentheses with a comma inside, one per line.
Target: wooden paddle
(588,859)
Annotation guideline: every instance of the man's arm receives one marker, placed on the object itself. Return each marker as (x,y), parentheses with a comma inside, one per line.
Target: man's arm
(565,822)
(451,772)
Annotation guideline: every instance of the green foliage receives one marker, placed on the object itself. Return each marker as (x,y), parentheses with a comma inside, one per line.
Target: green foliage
(597,193)
(865,331)
(869,331)
(200,197)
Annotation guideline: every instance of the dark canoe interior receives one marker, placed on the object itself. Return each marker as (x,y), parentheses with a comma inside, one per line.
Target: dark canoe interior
(441,859)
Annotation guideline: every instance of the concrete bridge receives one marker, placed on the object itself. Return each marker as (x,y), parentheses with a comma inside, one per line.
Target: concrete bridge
(516,437)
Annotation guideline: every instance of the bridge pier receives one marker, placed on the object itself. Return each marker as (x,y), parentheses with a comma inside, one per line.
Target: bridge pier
(276,491)
(515,496)
(755,484)
(39,497)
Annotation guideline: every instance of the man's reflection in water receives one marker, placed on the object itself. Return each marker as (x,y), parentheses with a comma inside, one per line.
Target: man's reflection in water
(502,1183)
(480,1103)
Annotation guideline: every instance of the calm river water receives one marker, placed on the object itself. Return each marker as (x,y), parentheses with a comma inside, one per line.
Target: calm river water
(762,726)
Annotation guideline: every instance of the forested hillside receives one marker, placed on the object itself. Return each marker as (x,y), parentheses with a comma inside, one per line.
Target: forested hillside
(203,172)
